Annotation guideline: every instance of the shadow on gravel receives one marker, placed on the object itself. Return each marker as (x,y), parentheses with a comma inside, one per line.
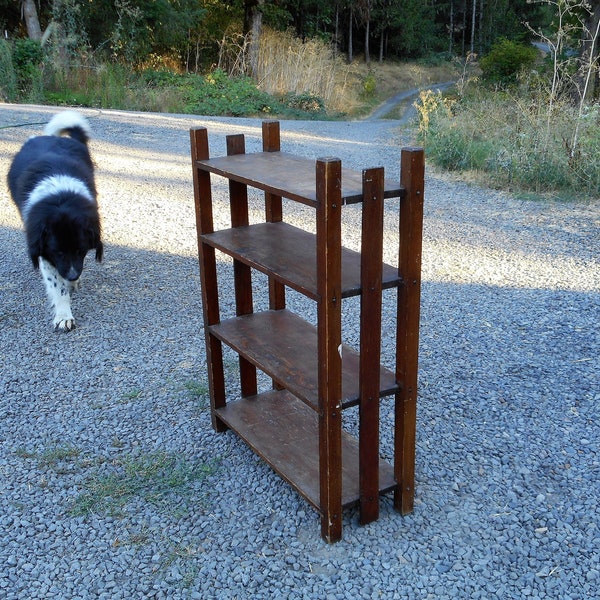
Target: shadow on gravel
(140,322)
(506,434)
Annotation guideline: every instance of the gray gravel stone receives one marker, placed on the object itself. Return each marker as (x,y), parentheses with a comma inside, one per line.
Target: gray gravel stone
(507,446)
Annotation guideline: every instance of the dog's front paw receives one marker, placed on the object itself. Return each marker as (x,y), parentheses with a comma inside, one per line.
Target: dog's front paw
(64,323)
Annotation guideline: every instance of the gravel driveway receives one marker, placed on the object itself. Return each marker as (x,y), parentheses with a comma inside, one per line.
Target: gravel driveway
(113,484)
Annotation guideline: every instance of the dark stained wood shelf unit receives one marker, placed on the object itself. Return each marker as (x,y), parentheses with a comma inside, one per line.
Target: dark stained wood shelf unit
(297,426)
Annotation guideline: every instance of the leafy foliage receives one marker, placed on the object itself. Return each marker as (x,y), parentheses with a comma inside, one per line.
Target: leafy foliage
(27,59)
(306,102)
(218,94)
(506,60)
(369,85)
(8,77)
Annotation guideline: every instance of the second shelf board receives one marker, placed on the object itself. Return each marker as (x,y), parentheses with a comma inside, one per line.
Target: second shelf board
(284,346)
(288,254)
(284,432)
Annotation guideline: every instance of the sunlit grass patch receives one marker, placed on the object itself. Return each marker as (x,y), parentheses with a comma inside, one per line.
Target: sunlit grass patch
(153,478)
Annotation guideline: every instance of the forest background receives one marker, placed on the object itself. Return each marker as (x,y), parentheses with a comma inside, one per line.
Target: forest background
(523,113)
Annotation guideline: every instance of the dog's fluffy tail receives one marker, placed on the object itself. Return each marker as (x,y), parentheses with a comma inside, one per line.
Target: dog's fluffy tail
(71,123)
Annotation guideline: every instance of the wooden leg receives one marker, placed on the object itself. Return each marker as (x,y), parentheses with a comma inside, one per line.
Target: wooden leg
(329,315)
(407,340)
(370,342)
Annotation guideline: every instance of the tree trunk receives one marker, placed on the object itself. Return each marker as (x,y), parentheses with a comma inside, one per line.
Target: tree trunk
(464,28)
(473,16)
(32,21)
(253,23)
(480,35)
(590,55)
(336,35)
(350,49)
(367,35)
(451,27)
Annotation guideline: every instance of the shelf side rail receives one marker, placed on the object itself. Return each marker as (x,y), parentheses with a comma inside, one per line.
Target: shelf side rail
(412,175)
(329,275)
(370,341)
(208,272)
(242,274)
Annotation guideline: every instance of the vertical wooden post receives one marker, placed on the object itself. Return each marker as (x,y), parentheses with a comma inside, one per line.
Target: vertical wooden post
(273,208)
(329,270)
(407,341)
(370,342)
(242,274)
(208,273)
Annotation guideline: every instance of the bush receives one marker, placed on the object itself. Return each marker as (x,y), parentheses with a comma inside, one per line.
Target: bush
(508,142)
(27,58)
(160,78)
(369,85)
(8,77)
(306,102)
(219,94)
(505,61)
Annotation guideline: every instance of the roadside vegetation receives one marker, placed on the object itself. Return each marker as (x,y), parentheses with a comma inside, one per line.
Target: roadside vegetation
(524,118)
(294,79)
(524,114)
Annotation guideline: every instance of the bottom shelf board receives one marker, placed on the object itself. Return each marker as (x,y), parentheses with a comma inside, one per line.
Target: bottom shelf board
(283,431)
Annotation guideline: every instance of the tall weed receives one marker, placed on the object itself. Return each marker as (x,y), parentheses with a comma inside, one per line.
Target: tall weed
(288,65)
(504,139)
(103,85)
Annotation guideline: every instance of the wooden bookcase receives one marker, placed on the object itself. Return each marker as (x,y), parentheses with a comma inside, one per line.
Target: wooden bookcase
(296,426)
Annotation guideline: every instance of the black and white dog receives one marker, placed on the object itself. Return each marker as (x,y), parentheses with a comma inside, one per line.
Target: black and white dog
(51,181)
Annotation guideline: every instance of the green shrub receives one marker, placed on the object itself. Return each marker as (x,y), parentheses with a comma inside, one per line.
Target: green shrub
(219,94)
(160,78)
(27,55)
(8,76)
(305,102)
(507,141)
(369,85)
(506,60)
(27,58)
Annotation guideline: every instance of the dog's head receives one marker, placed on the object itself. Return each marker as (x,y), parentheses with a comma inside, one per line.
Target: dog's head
(64,242)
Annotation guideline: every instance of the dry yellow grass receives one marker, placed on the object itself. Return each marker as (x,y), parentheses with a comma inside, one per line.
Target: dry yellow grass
(286,64)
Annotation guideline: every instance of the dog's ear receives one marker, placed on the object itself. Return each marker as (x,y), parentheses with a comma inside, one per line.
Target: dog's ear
(92,238)
(36,244)
(99,251)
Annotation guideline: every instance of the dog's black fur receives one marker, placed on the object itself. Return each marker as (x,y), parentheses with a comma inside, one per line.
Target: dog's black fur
(51,181)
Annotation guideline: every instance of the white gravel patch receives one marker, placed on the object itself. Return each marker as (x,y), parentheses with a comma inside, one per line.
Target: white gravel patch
(508,461)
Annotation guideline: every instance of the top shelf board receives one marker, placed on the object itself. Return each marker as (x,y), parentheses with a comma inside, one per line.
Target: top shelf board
(287,176)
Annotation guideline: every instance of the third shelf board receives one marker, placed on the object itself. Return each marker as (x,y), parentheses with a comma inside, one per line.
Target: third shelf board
(284,346)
